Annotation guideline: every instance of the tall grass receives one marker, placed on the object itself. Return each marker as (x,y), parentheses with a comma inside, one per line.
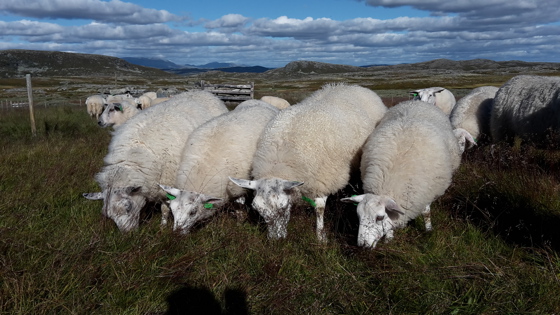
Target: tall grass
(493,250)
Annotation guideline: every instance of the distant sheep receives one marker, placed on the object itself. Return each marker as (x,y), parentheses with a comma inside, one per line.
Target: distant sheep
(152,95)
(441,97)
(117,98)
(94,106)
(527,106)
(146,151)
(143,101)
(408,161)
(472,112)
(253,102)
(275,101)
(223,146)
(309,150)
(116,114)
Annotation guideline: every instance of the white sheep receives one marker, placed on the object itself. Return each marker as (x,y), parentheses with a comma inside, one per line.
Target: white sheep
(472,112)
(152,95)
(116,114)
(94,106)
(253,102)
(117,98)
(143,101)
(527,106)
(441,97)
(316,142)
(145,151)
(408,161)
(223,146)
(276,101)
(159,100)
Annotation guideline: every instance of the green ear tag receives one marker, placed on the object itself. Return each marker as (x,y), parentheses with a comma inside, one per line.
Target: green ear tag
(309,201)
(208,205)
(170,197)
(355,203)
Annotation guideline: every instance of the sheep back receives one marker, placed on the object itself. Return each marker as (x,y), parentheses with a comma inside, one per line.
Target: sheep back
(527,106)
(472,112)
(319,140)
(223,146)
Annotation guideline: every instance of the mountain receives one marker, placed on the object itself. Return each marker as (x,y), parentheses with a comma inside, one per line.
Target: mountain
(153,63)
(303,67)
(18,63)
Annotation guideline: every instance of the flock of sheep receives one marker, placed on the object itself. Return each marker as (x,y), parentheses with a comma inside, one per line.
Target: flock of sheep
(191,155)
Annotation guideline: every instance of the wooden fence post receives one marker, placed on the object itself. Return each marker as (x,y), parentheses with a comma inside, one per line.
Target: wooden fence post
(30,97)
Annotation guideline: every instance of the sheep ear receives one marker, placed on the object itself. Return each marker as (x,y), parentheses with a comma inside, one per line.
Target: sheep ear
(288,185)
(439,91)
(392,206)
(353,199)
(249,184)
(174,192)
(132,189)
(93,196)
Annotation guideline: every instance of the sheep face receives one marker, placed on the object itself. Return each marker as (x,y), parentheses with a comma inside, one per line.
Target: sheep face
(189,208)
(427,95)
(110,115)
(464,139)
(374,213)
(122,205)
(273,201)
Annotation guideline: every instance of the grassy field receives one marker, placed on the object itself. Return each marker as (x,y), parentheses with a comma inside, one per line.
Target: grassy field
(494,248)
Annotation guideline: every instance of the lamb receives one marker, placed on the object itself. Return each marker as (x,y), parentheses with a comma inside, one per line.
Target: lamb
(202,183)
(316,142)
(94,106)
(408,161)
(116,114)
(146,150)
(527,106)
(472,112)
(441,97)
(276,101)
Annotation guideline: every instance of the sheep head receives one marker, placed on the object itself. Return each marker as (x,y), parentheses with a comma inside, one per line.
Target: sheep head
(273,200)
(189,208)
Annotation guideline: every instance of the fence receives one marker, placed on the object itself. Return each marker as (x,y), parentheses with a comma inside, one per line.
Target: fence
(230,92)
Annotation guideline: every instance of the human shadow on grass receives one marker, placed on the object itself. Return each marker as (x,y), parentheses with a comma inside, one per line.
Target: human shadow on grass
(199,300)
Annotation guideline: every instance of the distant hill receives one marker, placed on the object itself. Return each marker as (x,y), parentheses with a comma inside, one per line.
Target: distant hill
(312,67)
(153,62)
(18,63)
(188,69)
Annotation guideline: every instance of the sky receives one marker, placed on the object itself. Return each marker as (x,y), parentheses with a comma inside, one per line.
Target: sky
(274,33)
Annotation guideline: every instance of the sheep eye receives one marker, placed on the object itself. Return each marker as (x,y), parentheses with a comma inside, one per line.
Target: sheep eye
(379,218)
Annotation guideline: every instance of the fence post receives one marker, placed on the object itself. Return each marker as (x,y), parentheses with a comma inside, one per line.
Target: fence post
(30,97)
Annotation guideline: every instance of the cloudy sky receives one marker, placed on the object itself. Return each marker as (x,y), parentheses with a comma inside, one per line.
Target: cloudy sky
(273,33)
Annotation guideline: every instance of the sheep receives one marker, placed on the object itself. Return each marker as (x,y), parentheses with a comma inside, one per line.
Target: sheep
(117,98)
(94,106)
(441,97)
(253,102)
(276,101)
(143,101)
(202,183)
(408,161)
(316,142)
(145,151)
(472,112)
(152,95)
(159,100)
(116,114)
(527,106)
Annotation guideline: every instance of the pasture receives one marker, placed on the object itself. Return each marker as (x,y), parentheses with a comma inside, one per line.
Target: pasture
(494,248)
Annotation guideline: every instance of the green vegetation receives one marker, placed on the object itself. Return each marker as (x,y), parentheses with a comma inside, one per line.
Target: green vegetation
(494,248)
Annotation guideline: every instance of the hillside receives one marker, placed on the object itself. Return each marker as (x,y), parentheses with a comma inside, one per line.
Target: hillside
(18,63)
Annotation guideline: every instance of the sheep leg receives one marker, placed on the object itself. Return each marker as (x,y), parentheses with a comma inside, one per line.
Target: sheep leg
(427,218)
(320,203)
(164,214)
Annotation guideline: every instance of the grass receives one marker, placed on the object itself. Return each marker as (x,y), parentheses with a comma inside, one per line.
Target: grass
(494,247)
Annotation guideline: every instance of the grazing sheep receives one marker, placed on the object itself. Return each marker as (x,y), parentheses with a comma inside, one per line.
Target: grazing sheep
(316,142)
(441,97)
(94,106)
(408,161)
(276,101)
(143,101)
(145,151)
(116,114)
(202,178)
(472,112)
(527,106)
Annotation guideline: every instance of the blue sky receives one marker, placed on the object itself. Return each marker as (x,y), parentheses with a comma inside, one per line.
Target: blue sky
(274,33)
